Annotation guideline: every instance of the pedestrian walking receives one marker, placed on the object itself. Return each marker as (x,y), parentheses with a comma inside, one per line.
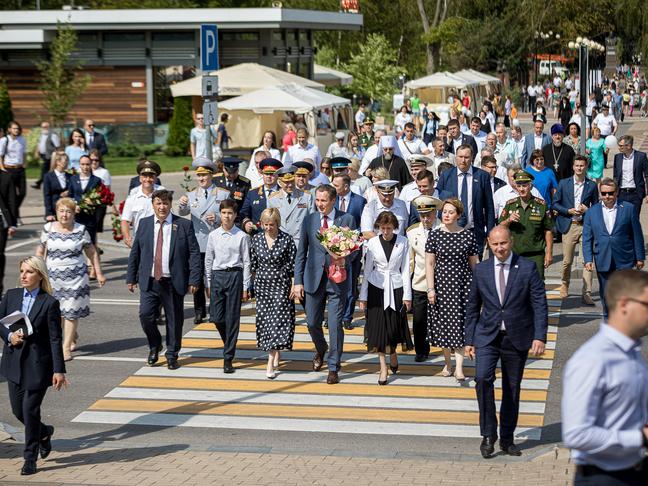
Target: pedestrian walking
(12,160)
(630,172)
(56,184)
(8,219)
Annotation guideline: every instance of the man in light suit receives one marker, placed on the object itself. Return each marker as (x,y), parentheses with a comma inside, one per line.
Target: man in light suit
(94,139)
(312,282)
(472,187)
(203,204)
(574,197)
(534,141)
(612,237)
(165,262)
(630,173)
(349,202)
(506,318)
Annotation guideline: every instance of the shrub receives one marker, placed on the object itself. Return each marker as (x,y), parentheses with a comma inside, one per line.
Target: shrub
(6,114)
(180,125)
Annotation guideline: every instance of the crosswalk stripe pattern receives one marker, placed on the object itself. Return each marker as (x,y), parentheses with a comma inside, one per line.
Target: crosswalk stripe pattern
(418,401)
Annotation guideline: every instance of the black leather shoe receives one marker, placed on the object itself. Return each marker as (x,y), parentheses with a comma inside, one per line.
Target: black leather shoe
(227,366)
(198,320)
(154,355)
(348,325)
(318,359)
(172,363)
(28,468)
(332,378)
(46,443)
(509,448)
(420,358)
(487,447)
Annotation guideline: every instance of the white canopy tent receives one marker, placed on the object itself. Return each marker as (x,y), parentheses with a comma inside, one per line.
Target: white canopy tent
(436,87)
(330,76)
(254,113)
(241,79)
(487,83)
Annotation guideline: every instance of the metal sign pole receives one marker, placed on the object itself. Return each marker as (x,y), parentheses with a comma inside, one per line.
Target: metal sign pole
(209,62)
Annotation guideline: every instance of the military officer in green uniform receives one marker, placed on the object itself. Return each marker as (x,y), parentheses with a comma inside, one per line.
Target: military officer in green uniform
(367,137)
(236,184)
(530,223)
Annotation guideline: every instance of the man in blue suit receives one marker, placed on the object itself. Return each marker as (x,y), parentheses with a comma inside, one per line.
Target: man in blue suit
(349,202)
(533,141)
(164,261)
(630,173)
(506,318)
(256,199)
(312,282)
(574,197)
(612,237)
(472,187)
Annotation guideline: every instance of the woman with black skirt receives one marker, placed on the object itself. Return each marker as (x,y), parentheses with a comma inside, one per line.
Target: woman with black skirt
(386,293)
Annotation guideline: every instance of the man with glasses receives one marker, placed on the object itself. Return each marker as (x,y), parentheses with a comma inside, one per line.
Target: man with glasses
(94,139)
(198,138)
(612,237)
(630,172)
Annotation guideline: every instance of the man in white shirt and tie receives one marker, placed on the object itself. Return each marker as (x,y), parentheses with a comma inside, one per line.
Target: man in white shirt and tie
(302,150)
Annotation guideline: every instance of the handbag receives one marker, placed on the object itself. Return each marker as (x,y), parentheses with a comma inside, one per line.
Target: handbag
(336,273)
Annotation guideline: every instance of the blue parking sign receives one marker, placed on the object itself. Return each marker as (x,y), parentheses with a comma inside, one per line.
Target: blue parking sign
(208,47)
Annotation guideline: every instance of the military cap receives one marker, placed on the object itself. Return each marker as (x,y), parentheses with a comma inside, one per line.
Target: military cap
(286,174)
(418,159)
(202,165)
(386,186)
(427,204)
(148,167)
(339,163)
(522,176)
(303,167)
(270,166)
(368,121)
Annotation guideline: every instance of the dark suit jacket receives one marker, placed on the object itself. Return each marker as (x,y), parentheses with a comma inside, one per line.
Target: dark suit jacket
(563,201)
(76,192)
(355,207)
(621,249)
(465,140)
(311,255)
(497,182)
(524,311)
(482,199)
(52,191)
(529,146)
(41,355)
(254,204)
(640,171)
(184,255)
(99,143)
(8,199)
(135,182)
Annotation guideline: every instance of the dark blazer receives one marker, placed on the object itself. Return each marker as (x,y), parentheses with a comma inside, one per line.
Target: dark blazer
(524,311)
(99,143)
(621,249)
(640,171)
(41,355)
(482,195)
(254,204)
(563,201)
(355,207)
(76,192)
(529,146)
(8,199)
(312,258)
(184,255)
(465,140)
(52,191)
(497,182)
(135,182)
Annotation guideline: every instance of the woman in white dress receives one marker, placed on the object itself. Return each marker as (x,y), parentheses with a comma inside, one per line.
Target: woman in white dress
(268,144)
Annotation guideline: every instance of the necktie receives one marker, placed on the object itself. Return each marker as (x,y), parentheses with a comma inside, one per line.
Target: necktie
(157,260)
(325,222)
(463,220)
(502,282)
(343,204)
(289,198)
(91,142)
(206,196)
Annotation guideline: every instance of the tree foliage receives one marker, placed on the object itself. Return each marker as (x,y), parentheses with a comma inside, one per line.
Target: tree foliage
(180,126)
(60,80)
(6,114)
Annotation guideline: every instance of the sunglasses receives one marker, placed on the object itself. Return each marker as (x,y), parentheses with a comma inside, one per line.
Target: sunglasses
(95,160)
(91,124)
(611,193)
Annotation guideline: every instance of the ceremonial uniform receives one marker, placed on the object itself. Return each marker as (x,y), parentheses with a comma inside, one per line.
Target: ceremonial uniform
(256,200)
(238,188)
(529,232)
(293,208)
(375,207)
(201,203)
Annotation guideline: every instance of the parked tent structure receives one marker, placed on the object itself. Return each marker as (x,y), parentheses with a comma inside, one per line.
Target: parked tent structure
(330,76)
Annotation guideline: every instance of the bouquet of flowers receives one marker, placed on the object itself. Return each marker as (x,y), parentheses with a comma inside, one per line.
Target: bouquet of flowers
(187,180)
(116,227)
(339,242)
(99,196)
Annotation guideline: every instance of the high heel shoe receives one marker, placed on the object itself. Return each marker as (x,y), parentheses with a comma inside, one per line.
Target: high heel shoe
(394,368)
(382,382)
(271,376)
(446,371)
(459,378)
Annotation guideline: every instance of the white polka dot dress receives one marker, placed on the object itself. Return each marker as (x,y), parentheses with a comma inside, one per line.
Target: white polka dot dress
(275,311)
(452,277)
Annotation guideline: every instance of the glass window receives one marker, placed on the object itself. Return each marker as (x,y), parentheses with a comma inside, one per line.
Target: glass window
(173,37)
(240,36)
(278,35)
(163,78)
(124,37)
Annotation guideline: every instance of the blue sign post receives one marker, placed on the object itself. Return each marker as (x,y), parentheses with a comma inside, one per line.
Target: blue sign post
(208,48)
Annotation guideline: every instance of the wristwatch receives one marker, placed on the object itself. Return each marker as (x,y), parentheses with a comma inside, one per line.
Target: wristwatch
(431,291)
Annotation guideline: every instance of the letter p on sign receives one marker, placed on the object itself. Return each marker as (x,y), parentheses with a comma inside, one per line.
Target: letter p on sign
(208,47)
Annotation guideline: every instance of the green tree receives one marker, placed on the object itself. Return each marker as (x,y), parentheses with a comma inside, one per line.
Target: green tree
(180,125)
(374,68)
(6,115)
(60,79)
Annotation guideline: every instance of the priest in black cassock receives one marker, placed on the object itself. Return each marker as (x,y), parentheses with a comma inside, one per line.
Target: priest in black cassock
(557,155)
(390,158)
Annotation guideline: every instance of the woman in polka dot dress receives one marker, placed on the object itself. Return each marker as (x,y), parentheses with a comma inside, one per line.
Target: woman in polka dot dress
(451,257)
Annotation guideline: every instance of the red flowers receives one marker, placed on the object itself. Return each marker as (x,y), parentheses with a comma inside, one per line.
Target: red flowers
(186,168)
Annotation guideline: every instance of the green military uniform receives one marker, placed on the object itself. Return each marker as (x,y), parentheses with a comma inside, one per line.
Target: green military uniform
(366,140)
(529,233)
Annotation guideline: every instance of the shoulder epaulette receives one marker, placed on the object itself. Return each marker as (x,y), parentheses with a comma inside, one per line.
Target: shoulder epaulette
(220,174)
(244,179)
(540,200)
(415,225)
(512,200)
(275,194)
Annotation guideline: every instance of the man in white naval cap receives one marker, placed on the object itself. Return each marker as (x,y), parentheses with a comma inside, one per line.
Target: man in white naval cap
(385,202)
(390,158)
(417,164)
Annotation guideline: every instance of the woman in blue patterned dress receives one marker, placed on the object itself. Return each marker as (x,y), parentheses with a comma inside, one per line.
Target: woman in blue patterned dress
(63,243)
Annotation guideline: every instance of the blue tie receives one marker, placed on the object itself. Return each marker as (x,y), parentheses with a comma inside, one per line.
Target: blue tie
(463,220)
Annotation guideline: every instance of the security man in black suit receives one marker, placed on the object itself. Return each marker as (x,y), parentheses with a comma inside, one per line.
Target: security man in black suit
(94,139)
(32,363)
(236,184)
(8,221)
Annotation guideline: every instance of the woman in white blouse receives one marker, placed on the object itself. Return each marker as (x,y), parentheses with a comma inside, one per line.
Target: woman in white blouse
(386,293)
(268,144)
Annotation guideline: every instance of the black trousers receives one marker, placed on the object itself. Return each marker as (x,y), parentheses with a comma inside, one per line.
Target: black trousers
(19,181)
(44,168)
(4,233)
(162,293)
(25,405)
(513,361)
(199,299)
(632,196)
(419,314)
(225,307)
(594,476)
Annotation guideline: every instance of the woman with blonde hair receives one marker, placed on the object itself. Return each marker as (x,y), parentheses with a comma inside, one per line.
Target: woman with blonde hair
(63,243)
(32,361)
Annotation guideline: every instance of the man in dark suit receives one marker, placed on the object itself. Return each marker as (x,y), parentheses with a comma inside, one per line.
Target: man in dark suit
(256,200)
(32,362)
(94,139)
(456,139)
(489,165)
(472,187)
(574,197)
(164,261)
(8,219)
(612,237)
(630,173)
(312,282)
(349,202)
(534,141)
(506,318)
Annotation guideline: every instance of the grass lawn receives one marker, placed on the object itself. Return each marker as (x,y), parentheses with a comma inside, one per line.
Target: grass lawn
(126,165)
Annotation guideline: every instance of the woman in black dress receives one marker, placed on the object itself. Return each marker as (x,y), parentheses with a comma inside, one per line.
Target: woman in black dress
(386,293)
(451,257)
(273,264)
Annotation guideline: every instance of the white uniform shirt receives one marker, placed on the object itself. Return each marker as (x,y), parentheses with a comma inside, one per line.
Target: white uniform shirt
(375,207)
(410,192)
(605,123)
(137,206)
(297,153)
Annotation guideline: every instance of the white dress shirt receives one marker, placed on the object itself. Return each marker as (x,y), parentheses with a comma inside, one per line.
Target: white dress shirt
(329,221)
(578,196)
(410,192)
(411,147)
(373,208)
(84,182)
(61,178)
(166,243)
(347,199)
(609,217)
(537,142)
(297,153)
(228,249)
(507,269)
(469,212)
(627,172)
